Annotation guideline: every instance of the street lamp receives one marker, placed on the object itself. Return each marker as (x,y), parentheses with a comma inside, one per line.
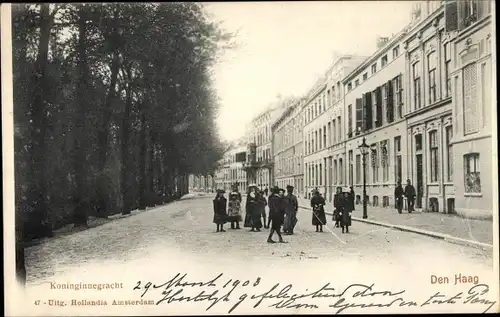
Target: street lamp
(364,148)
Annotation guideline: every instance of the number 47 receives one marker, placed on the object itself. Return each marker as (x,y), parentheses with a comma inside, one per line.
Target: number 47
(37,302)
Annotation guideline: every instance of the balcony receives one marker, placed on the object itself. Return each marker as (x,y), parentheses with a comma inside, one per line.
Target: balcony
(267,163)
(250,165)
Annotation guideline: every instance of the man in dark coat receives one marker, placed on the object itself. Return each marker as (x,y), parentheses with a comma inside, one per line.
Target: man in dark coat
(318,216)
(338,204)
(410,196)
(220,215)
(345,218)
(352,198)
(398,197)
(292,206)
(276,214)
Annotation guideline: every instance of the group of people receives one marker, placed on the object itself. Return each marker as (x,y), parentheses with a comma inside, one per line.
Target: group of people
(282,210)
(408,192)
(343,205)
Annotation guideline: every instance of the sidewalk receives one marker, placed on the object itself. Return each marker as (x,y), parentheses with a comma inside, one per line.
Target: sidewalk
(452,228)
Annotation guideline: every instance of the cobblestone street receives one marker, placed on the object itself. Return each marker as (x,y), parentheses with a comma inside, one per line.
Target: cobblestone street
(186,226)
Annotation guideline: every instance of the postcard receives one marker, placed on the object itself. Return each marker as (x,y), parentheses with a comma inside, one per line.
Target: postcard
(248,158)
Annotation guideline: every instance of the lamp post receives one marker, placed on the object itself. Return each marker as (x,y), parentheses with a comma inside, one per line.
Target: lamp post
(364,148)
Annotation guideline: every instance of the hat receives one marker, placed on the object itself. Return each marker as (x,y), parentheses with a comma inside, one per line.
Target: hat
(252,185)
(275,189)
(289,187)
(220,191)
(281,190)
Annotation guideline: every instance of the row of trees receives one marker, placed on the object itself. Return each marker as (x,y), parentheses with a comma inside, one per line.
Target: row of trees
(112,108)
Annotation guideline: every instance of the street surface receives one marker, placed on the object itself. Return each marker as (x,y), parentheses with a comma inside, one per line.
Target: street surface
(181,236)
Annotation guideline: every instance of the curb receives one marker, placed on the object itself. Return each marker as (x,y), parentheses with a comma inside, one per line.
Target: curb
(440,236)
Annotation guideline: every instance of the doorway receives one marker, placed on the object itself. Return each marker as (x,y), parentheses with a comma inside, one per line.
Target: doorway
(420,181)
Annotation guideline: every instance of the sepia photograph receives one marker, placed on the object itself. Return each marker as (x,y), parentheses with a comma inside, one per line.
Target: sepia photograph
(249,158)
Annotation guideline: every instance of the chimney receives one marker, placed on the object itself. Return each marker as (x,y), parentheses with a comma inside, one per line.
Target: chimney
(381,41)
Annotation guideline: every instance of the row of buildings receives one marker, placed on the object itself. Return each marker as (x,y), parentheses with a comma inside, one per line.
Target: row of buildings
(423,101)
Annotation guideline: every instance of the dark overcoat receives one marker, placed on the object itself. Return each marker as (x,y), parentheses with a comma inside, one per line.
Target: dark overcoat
(276,211)
(318,215)
(220,215)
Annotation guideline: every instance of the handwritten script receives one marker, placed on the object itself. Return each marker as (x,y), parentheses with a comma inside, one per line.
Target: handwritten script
(233,292)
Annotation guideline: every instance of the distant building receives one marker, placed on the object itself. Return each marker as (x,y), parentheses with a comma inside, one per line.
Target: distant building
(324,134)
(287,148)
(260,164)
(230,168)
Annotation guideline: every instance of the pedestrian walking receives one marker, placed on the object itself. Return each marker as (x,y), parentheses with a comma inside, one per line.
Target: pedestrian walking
(276,214)
(345,219)
(353,198)
(266,191)
(292,206)
(262,207)
(318,216)
(234,207)
(398,197)
(338,204)
(220,215)
(410,196)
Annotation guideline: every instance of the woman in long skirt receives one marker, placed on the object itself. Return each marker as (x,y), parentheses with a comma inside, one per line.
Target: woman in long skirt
(252,212)
(234,208)
(220,215)
(338,204)
(318,216)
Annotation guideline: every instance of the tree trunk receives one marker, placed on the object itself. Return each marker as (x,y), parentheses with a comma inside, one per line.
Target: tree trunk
(142,163)
(37,194)
(124,151)
(150,170)
(79,125)
(103,135)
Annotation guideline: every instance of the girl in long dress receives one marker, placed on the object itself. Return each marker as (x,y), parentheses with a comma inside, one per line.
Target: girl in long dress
(234,208)
(220,215)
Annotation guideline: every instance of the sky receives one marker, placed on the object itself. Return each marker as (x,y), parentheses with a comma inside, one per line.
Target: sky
(283,47)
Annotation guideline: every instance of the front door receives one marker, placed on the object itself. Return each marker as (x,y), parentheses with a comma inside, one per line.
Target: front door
(419,186)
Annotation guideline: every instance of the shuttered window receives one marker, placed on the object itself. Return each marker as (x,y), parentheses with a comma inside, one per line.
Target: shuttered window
(359,114)
(470,99)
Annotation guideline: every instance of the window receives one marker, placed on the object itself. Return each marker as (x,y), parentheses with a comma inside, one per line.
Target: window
(334,95)
(329,133)
(447,68)
(341,172)
(472,175)
(470,100)
(351,176)
(320,174)
(398,95)
(339,121)
(449,153)
(365,76)
(397,144)
(432,64)
(335,171)
(384,103)
(324,136)
(418,142)
(416,85)
(384,60)
(375,166)
(356,83)
(349,120)
(395,52)
(349,86)
(433,146)
(334,132)
(359,115)
(358,169)
(384,149)
(374,68)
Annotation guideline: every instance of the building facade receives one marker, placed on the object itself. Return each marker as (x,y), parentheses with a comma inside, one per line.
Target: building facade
(472,84)
(260,164)
(375,109)
(324,136)
(287,148)
(231,170)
